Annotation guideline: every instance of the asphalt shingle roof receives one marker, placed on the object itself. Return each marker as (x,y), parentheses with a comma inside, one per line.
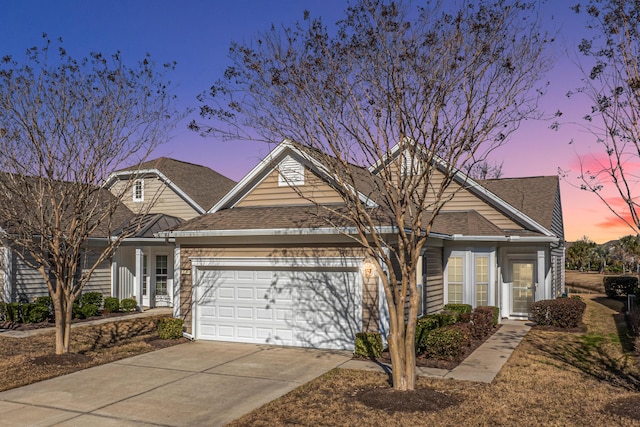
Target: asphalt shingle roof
(204,185)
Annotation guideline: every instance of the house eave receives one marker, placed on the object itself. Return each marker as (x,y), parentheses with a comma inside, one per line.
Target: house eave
(271,232)
(510,239)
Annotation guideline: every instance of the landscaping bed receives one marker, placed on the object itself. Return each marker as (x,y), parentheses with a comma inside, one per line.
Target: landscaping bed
(552,378)
(31,359)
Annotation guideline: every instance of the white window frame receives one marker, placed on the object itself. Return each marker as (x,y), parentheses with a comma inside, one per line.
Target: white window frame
(469,256)
(138,183)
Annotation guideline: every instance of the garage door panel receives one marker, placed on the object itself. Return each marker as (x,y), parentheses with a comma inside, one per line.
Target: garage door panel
(264,314)
(281,307)
(245,293)
(245,313)
(226,312)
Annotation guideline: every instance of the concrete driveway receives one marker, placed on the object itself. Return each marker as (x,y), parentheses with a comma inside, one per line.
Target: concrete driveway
(197,383)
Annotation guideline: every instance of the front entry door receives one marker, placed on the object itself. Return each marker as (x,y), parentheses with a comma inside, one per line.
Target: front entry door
(522,287)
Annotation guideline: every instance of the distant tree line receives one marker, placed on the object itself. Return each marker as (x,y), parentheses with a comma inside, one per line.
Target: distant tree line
(618,256)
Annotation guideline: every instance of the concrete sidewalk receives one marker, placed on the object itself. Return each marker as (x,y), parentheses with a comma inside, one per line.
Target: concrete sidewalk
(481,366)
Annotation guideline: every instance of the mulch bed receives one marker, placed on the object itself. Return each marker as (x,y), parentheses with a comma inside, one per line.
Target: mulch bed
(628,407)
(423,362)
(14,326)
(420,399)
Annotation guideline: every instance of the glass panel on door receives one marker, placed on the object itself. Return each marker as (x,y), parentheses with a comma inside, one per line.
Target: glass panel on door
(522,287)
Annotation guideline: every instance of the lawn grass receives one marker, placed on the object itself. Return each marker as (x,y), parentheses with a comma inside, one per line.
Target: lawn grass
(552,379)
(27,360)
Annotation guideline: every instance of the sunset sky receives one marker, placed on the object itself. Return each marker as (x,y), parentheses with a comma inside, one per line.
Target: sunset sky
(197,34)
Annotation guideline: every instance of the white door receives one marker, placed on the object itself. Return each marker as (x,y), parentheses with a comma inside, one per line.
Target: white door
(522,287)
(319,307)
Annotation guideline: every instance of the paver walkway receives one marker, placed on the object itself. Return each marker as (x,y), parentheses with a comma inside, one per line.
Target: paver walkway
(481,366)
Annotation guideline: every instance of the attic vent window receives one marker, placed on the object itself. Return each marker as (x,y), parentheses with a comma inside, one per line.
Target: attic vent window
(138,190)
(291,172)
(410,165)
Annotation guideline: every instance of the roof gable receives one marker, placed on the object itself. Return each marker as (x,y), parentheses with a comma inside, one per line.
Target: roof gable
(198,185)
(315,186)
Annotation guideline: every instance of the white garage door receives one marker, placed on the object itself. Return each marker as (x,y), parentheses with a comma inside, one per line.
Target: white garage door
(304,307)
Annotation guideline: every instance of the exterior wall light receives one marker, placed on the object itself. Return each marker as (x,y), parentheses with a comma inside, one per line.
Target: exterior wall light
(369,271)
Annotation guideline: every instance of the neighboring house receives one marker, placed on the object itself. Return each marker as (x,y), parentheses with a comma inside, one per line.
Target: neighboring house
(20,282)
(168,191)
(160,194)
(264,265)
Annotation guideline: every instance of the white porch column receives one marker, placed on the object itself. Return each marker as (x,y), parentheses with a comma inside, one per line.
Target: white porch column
(6,273)
(139,275)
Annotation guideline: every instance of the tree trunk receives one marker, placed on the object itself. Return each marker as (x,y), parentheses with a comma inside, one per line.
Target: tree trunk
(59,309)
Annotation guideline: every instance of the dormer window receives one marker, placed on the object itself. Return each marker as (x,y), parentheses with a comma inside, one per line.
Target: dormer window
(138,190)
(291,172)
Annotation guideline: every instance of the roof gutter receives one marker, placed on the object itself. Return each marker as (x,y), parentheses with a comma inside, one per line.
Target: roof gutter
(271,232)
(511,239)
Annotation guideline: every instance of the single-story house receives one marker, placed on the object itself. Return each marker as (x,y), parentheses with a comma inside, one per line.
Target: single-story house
(263,265)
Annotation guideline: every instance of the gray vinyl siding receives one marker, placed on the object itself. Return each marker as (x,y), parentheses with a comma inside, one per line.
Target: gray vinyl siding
(125,271)
(557,271)
(557,224)
(434,289)
(101,278)
(29,283)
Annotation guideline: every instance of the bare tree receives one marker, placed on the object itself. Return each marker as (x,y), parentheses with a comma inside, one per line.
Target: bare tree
(484,170)
(417,92)
(611,80)
(64,125)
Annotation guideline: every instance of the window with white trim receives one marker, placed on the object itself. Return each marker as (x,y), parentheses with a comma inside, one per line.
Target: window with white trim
(482,280)
(455,272)
(290,172)
(162,274)
(138,190)
(470,277)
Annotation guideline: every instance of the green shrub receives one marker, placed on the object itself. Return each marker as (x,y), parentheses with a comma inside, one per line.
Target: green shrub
(12,312)
(561,312)
(89,310)
(77,311)
(111,304)
(620,286)
(93,298)
(3,311)
(495,310)
(482,322)
(128,304)
(445,343)
(37,314)
(368,344)
(459,308)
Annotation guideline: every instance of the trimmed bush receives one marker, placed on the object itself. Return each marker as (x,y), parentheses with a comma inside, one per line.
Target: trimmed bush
(3,311)
(12,312)
(561,312)
(446,343)
(89,310)
(368,344)
(429,323)
(34,313)
(170,328)
(93,298)
(128,304)
(76,311)
(459,308)
(111,304)
(495,310)
(620,286)
(482,322)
